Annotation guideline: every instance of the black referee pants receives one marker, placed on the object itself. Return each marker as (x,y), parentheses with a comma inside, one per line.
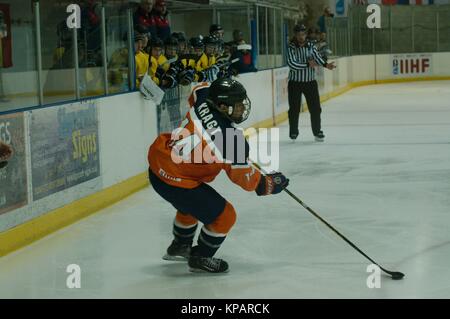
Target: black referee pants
(311,92)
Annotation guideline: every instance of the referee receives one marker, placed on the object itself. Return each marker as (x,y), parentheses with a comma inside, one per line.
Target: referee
(302,58)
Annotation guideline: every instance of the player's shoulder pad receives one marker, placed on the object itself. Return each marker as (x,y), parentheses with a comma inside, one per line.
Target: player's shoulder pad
(200,92)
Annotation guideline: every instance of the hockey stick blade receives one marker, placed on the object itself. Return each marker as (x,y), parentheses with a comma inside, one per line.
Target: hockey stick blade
(395,275)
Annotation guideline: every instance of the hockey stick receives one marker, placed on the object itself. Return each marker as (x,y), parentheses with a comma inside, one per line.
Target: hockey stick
(394,274)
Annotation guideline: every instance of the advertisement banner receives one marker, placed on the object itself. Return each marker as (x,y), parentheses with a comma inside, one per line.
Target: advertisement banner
(64,147)
(13,177)
(418,64)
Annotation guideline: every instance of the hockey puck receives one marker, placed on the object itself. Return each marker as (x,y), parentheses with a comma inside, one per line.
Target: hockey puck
(397,275)
(3,164)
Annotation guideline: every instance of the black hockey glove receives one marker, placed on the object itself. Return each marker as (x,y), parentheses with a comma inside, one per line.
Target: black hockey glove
(186,77)
(271,184)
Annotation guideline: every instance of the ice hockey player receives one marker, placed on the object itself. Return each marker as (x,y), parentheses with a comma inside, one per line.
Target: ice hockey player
(211,48)
(157,60)
(170,50)
(216,31)
(182,164)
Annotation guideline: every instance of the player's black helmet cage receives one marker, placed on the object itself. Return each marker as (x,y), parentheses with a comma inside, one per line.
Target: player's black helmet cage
(229,92)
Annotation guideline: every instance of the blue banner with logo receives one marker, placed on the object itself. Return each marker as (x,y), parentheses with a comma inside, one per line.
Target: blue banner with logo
(64,147)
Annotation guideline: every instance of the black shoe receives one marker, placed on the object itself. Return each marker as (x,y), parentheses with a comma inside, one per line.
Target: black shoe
(319,137)
(178,252)
(206,264)
(293,136)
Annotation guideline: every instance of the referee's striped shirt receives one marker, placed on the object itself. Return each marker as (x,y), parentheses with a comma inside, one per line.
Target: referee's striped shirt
(297,60)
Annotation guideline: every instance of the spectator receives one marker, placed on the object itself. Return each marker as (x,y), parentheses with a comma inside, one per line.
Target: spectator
(89,81)
(245,63)
(321,22)
(144,18)
(157,60)
(91,29)
(216,30)
(171,48)
(197,47)
(141,58)
(322,46)
(118,67)
(192,61)
(171,54)
(222,62)
(211,44)
(203,61)
(238,37)
(161,21)
(188,61)
(227,51)
(182,43)
(64,45)
(148,37)
(313,36)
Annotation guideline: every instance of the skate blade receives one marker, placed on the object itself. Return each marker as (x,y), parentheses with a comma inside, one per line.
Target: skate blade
(319,139)
(174,258)
(204,272)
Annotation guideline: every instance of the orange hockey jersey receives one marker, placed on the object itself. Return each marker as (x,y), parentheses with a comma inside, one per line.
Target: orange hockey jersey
(203,145)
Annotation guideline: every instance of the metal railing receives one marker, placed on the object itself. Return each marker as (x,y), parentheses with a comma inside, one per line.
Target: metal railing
(404,29)
(64,68)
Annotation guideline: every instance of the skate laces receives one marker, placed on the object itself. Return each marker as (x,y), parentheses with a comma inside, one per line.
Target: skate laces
(213,262)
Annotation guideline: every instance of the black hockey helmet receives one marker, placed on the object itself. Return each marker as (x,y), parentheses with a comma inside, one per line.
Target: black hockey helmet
(138,28)
(196,42)
(157,43)
(171,47)
(300,28)
(210,40)
(214,28)
(138,37)
(171,41)
(179,36)
(230,98)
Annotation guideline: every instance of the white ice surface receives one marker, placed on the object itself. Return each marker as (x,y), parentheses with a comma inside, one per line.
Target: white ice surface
(382,177)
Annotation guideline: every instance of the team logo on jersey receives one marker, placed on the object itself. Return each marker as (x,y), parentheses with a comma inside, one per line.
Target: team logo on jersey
(163,174)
